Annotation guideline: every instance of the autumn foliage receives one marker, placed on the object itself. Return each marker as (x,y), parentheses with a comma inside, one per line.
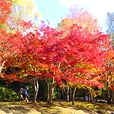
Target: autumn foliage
(5,10)
(81,17)
(77,57)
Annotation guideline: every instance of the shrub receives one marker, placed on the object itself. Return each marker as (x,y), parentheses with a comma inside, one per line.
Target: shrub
(7,94)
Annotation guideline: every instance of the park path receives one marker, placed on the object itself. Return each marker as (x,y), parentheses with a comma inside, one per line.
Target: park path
(56,110)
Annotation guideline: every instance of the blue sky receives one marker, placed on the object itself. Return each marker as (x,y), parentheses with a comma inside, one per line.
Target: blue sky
(55,10)
(51,10)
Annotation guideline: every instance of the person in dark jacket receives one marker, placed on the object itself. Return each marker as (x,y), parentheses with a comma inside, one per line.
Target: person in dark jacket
(25,94)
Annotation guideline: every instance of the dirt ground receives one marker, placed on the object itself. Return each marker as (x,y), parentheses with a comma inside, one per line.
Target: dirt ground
(59,110)
(32,108)
(56,108)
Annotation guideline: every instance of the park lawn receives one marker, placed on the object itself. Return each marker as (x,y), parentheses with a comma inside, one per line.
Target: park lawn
(56,108)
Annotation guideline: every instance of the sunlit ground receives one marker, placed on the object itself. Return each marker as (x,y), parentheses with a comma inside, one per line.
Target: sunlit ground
(56,108)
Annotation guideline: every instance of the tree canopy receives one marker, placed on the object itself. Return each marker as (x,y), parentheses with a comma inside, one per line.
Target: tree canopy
(76,53)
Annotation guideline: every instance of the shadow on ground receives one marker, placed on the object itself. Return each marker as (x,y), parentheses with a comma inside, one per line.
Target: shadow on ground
(56,108)
(13,108)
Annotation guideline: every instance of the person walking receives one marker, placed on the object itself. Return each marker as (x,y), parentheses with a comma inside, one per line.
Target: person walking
(20,95)
(25,94)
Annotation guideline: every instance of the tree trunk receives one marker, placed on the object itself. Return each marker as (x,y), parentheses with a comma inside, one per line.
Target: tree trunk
(50,94)
(110,96)
(48,91)
(90,96)
(1,66)
(50,84)
(63,93)
(70,94)
(67,95)
(73,95)
(36,88)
